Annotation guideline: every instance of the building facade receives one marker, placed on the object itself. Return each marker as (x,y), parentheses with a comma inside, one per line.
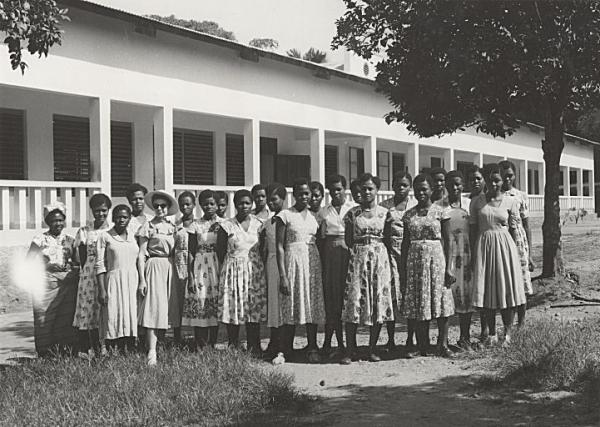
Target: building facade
(127,99)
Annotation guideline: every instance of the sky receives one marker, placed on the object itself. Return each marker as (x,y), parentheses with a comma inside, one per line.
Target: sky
(297,24)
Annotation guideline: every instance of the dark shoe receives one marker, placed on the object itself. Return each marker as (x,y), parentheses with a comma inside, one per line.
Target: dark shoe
(390,347)
(464,344)
(445,353)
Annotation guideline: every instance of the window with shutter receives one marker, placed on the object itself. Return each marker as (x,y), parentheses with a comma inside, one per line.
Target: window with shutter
(398,163)
(12,144)
(357,162)
(193,157)
(71,138)
(383,169)
(331,160)
(234,158)
(121,161)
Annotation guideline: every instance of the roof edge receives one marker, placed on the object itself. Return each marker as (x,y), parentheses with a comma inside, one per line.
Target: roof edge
(246,51)
(568,136)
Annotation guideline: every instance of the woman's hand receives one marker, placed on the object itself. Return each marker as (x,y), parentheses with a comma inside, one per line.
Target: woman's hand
(191,285)
(142,288)
(102,297)
(531,265)
(284,285)
(450,279)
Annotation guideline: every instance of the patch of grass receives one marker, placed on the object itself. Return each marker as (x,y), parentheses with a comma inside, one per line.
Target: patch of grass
(548,355)
(208,388)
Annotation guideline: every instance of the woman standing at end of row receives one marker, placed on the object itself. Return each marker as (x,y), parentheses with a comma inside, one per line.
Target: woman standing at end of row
(368,295)
(498,280)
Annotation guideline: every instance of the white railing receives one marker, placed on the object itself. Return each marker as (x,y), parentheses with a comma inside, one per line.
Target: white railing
(21,202)
(536,203)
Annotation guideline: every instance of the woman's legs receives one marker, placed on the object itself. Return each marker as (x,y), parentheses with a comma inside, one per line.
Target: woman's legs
(350,343)
(508,319)
(374,332)
(422,332)
(410,333)
(484,325)
(391,332)
(311,335)
(464,341)
(200,337)
(287,337)
(213,334)
(233,335)
(84,341)
(521,310)
(151,339)
(274,342)
(442,344)
(253,337)
(329,330)
(177,335)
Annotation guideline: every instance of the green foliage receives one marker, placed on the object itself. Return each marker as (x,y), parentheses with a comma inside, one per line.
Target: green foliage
(35,23)
(208,27)
(294,53)
(207,388)
(488,64)
(552,355)
(267,44)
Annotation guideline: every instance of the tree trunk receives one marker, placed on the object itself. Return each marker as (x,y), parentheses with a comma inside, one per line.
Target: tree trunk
(552,145)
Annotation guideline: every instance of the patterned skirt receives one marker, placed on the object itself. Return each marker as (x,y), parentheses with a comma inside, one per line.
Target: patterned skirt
(368,295)
(523,251)
(242,290)
(87,311)
(200,307)
(303,268)
(426,296)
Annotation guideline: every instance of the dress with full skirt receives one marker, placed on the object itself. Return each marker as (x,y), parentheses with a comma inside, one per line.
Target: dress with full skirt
(117,258)
(497,277)
(368,295)
(522,205)
(427,297)
(242,283)
(302,261)
(200,306)
(274,319)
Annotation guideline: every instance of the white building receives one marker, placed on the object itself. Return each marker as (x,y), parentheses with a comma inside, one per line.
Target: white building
(129,99)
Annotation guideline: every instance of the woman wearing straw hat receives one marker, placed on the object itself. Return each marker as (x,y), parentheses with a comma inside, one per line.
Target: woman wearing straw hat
(54,305)
(155,269)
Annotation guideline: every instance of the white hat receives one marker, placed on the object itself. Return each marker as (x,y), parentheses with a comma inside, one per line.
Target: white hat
(56,206)
(173,205)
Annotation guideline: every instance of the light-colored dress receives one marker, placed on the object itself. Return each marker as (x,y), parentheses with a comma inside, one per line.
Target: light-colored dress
(136,222)
(54,305)
(497,277)
(459,255)
(368,296)
(200,307)
(426,295)
(302,261)
(242,283)
(394,233)
(335,256)
(87,311)
(159,273)
(522,203)
(274,319)
(117,257)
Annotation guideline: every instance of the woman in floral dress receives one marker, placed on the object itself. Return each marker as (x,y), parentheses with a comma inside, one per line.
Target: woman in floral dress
(87,312)
(393,232)
(54,305)
(522,230)
(497,273)
(118,279)
(155,268)
(368,295)
(455,231)
(427,295)
(202,296)
(242,284)
(300,270)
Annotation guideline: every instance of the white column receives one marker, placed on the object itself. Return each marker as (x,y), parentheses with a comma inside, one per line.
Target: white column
(21,196)
(163,148)
(317,155)
(371,155)
(40,148)
(567,181)
(412,159)
(523,176)
(221,157)
(252,151)
(100,142)
(542,175)
(37,208)
(449,159)
(5,199)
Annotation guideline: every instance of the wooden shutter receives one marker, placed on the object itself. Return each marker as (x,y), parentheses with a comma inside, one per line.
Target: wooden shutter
(331,160)
(234,159)
(71,137)
(121,161)
(398,163)
(193,157)
(12,142)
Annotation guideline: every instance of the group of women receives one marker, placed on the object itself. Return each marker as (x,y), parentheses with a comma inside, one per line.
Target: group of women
(343,264)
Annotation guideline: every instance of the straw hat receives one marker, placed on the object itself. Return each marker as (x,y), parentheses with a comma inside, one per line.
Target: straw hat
(174,206)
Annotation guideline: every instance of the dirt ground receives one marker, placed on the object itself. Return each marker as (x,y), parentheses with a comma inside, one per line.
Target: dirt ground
(422,391)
